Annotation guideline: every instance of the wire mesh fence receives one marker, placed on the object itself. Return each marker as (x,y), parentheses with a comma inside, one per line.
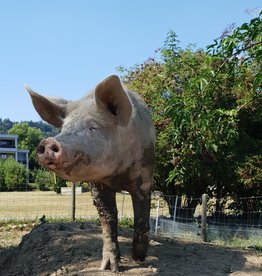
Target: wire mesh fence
(33,205)
(170,215)
(183,217)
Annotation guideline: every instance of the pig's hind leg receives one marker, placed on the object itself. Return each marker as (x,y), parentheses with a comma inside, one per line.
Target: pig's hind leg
(141,203)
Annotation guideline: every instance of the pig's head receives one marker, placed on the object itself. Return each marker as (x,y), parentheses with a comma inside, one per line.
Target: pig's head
(91,130)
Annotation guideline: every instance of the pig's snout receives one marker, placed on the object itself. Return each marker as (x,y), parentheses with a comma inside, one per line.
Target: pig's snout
(49,153)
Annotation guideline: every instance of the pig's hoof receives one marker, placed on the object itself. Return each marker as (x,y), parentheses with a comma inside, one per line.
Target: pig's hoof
(110,262)
(139,251)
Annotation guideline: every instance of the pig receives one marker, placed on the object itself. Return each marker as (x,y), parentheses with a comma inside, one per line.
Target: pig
(107,139)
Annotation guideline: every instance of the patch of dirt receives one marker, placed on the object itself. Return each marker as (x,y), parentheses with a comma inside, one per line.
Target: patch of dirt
(75,249)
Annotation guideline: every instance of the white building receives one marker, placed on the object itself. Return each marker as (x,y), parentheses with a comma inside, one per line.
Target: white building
(8,148)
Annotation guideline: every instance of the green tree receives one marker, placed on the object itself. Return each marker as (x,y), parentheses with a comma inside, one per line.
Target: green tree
(28,138)
(240,54)
(5,124)
(206,107)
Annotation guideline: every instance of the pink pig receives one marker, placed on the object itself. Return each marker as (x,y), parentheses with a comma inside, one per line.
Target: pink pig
(107,139)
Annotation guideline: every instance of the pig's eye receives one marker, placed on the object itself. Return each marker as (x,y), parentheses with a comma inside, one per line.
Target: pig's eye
(92,128)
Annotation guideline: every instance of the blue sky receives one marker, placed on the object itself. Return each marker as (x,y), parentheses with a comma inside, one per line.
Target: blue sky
(63,48)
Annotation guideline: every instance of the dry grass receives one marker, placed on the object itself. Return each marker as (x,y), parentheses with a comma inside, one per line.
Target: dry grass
(20,211)
(33,205)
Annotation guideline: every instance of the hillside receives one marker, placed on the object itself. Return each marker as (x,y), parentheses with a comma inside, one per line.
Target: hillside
(48,130)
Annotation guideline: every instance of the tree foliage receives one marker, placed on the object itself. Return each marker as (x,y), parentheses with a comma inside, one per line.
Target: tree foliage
(13,175)
(44,179)
(48,130)
(207,110)
(58,184)
(29,135)
(5,125)
(47,181)
(28,138)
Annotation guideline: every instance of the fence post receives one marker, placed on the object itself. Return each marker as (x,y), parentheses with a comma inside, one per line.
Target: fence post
(174,214)
(204,218)
(157,214)
(73,201)
(123,204)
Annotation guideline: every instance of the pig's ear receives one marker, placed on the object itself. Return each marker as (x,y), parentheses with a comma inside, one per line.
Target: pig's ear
(51,110)
(112,98)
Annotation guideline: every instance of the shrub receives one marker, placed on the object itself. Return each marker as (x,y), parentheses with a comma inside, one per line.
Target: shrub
(59,182)
(13,175)
(44,180)
(2,176)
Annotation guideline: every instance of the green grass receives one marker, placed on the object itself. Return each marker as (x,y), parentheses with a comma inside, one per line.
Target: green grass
(254,242)
(126,222)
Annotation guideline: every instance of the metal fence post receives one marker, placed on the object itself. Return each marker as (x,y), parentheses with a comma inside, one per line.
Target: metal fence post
(174,214)
(204,218)
(73,201)
(157,214)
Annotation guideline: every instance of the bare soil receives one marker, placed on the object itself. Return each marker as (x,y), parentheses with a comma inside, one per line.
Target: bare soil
(75,249)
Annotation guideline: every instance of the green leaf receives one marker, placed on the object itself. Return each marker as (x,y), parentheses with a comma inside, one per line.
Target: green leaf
(214,147)
(257,81)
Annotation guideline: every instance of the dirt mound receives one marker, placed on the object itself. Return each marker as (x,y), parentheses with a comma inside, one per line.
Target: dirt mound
(75,249)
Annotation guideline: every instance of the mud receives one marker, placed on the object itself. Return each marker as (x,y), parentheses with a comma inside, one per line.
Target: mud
(76,249)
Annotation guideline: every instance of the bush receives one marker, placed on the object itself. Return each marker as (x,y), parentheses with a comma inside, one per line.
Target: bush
(2,176)
(13,175)
(59,182)
(44,180)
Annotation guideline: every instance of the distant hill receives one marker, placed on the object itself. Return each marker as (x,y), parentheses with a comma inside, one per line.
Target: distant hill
(48,130)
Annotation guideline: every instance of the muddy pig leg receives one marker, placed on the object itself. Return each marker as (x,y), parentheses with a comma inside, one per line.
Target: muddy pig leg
(141,205)
(104,200)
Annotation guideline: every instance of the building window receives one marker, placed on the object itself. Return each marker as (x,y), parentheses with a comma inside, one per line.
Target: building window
(7,155)
(7,143)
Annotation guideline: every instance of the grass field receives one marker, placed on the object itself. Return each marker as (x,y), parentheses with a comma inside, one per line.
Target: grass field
(19,211)
(33,205)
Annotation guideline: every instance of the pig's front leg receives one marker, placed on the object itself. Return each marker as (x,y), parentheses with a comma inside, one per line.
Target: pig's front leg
(104,200)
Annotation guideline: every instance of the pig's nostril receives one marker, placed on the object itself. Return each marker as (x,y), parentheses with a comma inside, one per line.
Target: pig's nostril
(41,149)
(55,148)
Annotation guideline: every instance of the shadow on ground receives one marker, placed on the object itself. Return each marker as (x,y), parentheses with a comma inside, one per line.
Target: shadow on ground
(75,249)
